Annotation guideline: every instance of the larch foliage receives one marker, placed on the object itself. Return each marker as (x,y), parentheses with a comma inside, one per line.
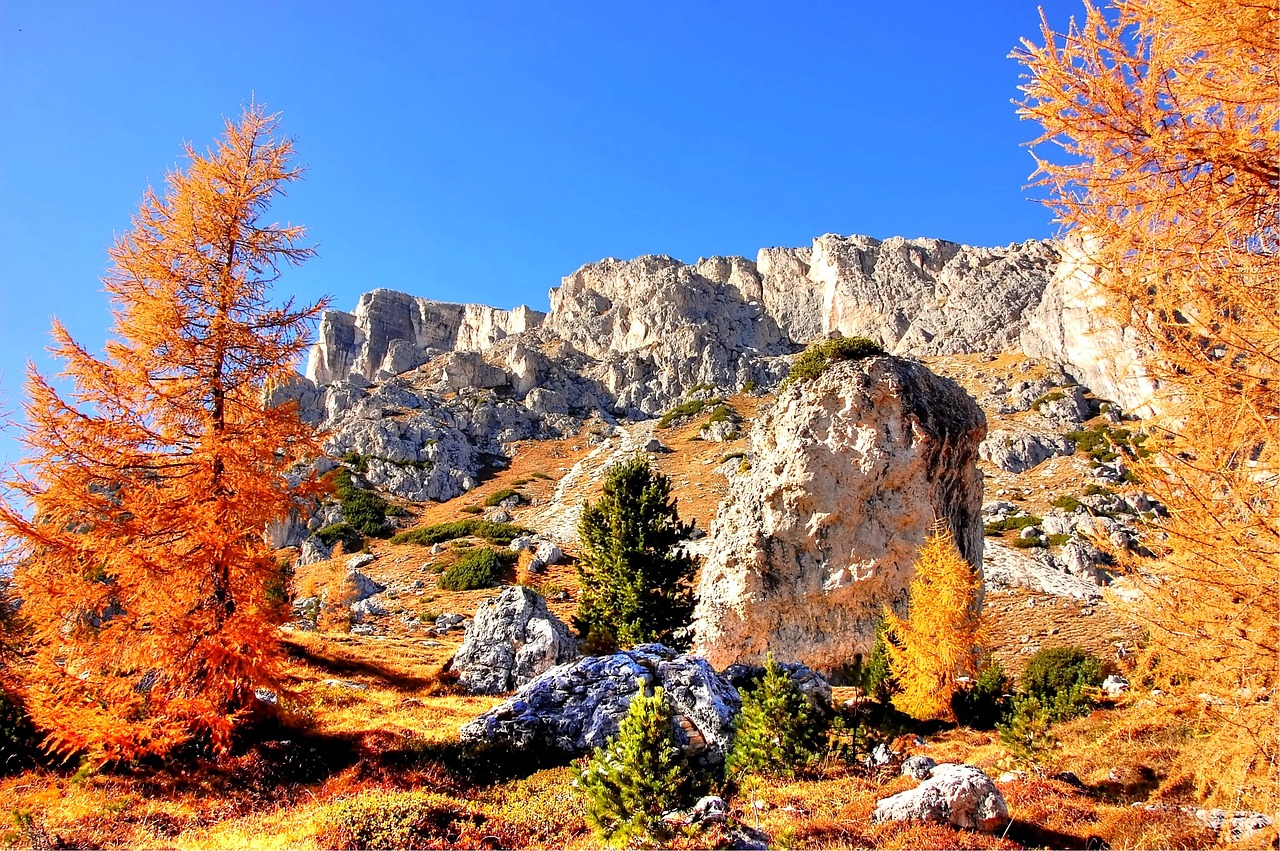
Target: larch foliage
(938,641)
(1168,115)
(138,516)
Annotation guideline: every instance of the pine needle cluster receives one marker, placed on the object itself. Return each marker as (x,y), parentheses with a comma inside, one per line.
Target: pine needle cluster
(778,731)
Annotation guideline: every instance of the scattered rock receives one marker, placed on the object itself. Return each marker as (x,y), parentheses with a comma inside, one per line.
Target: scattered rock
(1115,685)
(1016,450)
(919,766)
(369,607)
(512,639)
(361,586)
(313,550)
(448,621)
(956,794)
(359,560)
(549,553)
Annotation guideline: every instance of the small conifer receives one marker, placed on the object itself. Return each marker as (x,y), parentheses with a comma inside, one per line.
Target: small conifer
(939,640)
(638,776)
(637,586)
(778,730)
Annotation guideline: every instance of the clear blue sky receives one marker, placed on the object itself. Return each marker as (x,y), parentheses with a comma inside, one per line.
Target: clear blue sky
(477,151)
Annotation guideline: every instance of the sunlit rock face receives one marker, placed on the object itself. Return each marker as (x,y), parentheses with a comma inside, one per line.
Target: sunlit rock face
(851,471)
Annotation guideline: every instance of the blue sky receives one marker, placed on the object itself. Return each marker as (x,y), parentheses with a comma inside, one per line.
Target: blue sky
(480,151)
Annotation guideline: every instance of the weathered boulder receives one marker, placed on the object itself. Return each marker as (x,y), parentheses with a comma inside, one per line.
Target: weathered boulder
(955,794)
(1016,450)
(512,639)
(576,708)
(313,550)
(851,470)
(359,586)
(919,766)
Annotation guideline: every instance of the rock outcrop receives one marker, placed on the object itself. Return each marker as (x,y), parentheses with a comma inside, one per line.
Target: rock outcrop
(576,708)
(955,794)
(512,639)
(390,332)
(850,472)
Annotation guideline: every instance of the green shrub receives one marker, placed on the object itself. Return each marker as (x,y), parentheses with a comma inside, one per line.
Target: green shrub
(1027,732)
(334,532)
(362,509)
(476,569)
(1010,524)
(723,413)
(1062,680)
(985,703)
(818,356)
(415,819)
(690,408)
(778,730)
(1093,489)
(1058,540)
(638,776)
(471,509)
(498,496)
(19,741)
(494,533)
(1051,396)
(872,675)
(636,583)
(1027,543)
(1066,502)
(748,387)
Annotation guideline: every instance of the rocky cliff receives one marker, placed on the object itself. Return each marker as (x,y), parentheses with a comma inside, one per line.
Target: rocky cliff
(850,472)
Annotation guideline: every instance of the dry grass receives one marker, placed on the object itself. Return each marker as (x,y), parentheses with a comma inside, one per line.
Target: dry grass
(387,723)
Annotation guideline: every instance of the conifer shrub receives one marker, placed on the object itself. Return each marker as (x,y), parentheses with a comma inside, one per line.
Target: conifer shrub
(818,356)
(872,674)
(987,701)
(778,731)
(478,568)
(939,640)
(1063,680)
(638,776)
(362,509)
(636,584)
(1027,733)
(498,496)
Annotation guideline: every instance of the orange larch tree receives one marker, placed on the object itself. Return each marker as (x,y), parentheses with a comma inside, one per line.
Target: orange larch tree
(139,515)
(939,641)
(1167,117)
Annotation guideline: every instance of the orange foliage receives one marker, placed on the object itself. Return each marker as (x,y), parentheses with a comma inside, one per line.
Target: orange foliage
(139,519)
(1168,112)
(938,641)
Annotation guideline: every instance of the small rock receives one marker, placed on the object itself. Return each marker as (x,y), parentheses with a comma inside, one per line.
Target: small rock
(959,795)
(1115,685)
(266,695)
(919,766)
(359,560)
(1011,777)
(521,543)
(500,516)
(710,809)
(347,684)
(448,621)
(549,553)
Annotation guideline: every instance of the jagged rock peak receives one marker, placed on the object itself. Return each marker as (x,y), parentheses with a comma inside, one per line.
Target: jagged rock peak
(390,332)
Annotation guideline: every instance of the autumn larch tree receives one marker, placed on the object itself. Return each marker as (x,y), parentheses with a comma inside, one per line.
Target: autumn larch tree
(139,515)
(938,641)
(1168,120)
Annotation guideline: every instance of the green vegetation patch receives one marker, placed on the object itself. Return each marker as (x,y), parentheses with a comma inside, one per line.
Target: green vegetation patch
(1009,524)
(691,408)
(1104,444)
(495,533)
(478,568)
(818,356)
(381,819)
(498,496)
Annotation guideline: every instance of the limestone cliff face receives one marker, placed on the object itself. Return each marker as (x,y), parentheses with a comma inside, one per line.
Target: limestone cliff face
(390,332)
(1070,327)
(850,472)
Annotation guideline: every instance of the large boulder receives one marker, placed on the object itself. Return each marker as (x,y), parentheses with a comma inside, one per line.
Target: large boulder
(512,639)
(851,471)
(955,794)
(574,709)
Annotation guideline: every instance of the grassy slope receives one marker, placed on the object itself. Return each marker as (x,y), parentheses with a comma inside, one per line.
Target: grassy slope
(387,719)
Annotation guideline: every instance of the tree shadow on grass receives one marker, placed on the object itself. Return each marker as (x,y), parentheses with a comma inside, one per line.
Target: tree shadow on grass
(346,667)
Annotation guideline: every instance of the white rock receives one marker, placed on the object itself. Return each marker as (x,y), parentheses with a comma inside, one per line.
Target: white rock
(959,795)
(512,639)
